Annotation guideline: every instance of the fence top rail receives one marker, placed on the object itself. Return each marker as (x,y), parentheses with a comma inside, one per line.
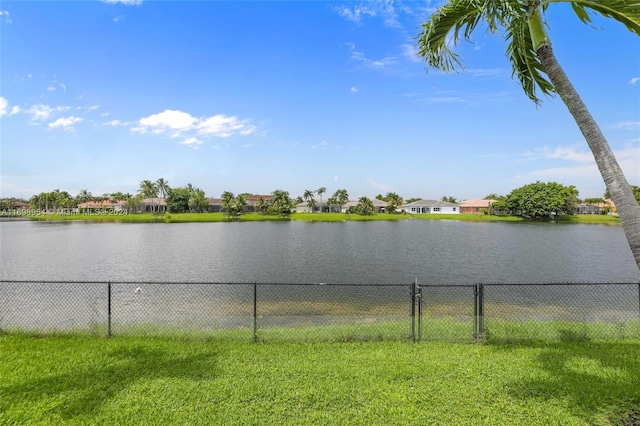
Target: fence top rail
(152,282)
(422,285)
(559,283)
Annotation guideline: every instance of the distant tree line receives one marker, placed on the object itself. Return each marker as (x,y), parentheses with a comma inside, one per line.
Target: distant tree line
(536,200)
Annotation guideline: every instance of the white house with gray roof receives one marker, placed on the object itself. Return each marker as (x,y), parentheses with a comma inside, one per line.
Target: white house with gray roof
(431,207)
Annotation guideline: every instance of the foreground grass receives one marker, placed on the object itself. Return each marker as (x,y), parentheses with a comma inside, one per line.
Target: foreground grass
(68,379)
(315,217)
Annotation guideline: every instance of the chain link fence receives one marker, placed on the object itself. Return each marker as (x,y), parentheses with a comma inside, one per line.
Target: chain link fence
(481,312)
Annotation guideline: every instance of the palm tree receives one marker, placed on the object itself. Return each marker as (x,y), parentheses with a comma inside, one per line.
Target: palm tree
(531,56)
(321,191)
(342,197)
(84,196)
(393,202)
(308,196)
(148,189)
(312,203)
(261,205)
(163,187)
(331,201)
(365,206)
(280,202)
(227,202)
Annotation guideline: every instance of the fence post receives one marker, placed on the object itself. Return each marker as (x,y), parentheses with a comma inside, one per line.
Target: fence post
(109,309)
(255,312)
(480,312)
(475,312)
(413,311)
(419,296)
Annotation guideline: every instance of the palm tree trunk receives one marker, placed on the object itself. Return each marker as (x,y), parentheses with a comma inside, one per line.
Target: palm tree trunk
(619,189)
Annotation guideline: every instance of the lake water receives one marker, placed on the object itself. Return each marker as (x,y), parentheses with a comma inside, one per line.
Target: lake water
(315,252)
(302,253)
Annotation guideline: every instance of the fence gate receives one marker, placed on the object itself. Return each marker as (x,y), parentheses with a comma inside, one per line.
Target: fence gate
(447,312)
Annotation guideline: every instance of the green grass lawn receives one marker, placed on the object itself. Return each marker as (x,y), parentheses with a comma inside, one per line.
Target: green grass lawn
(78,379)
(316,217)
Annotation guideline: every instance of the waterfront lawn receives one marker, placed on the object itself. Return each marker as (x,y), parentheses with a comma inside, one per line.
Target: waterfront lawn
(67,379)
(589,218)
(315,217)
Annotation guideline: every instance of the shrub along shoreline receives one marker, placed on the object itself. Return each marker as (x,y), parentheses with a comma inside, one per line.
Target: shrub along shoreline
(311,217)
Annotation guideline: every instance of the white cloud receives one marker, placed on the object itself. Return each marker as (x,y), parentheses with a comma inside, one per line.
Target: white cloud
(126,2)
(335,178)
(42,112)
(444,99)
(380,186)
(370,63)
(634,80)
(175,124)
(323,143)
(113,123)
(3,106)
(65,123)
(354,90)
(568,154)
(584,165)
(224,126)
(51,89)
(93,108)
(409,51)
(354,15)
(168,120)
(192,142)
(629,125)
(485,72)
(5,16)
(15,109)
(380,8)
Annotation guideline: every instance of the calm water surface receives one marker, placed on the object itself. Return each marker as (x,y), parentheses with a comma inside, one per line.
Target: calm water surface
(303,252)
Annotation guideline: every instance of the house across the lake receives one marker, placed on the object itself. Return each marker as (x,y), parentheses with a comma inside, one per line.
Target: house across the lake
(475,206)
(93,206)
(596,208)
(378,206)
(431,207)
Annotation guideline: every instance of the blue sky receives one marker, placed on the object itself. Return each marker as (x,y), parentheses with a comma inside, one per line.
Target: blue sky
(258,96)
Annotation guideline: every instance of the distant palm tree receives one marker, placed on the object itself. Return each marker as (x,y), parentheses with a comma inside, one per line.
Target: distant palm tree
(227,203)
(261,205)
(308,196)
(321,191)
(393,202)
(365,206)
(280,202)
(163,187)
(312,203)
(522,24)
(342,197)
(85,196)
(149,189)
(331,201)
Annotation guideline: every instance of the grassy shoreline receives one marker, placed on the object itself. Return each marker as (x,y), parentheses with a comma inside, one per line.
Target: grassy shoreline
(313,217)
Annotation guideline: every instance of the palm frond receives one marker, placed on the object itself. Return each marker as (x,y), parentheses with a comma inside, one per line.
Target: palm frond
(443,28)
(626,12)
(525,64)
